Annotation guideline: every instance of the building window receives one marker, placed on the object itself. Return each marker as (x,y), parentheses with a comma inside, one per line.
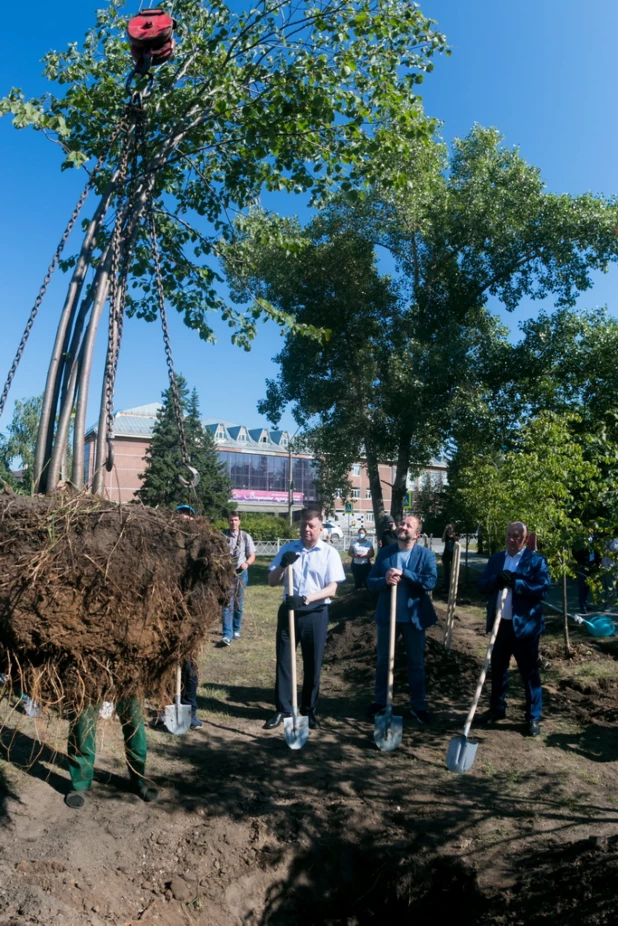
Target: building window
(367,493)
(369,516)
(284,441)
(220,435)
(338,493)
(263,439)
(242,436)
(355,493)
(356,469)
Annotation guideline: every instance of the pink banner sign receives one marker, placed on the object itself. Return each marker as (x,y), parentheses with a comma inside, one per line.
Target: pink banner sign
(260,497)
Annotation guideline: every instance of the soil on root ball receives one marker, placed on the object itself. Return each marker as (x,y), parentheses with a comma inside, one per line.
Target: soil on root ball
(100,601)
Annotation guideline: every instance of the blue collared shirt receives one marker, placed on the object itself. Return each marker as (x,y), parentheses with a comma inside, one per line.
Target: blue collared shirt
(315,568)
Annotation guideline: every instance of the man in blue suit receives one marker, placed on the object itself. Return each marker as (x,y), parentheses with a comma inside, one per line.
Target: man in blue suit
(412,569)
(526,576)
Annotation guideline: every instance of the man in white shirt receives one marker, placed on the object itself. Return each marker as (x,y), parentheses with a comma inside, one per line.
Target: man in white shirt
(317,570)
(526,576)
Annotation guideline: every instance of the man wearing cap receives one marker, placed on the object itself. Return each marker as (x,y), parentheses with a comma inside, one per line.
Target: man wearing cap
(526,576)
(242,551)
(388,534)
(317,570)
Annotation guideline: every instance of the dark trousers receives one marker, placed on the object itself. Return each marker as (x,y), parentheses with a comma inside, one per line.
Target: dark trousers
(189,684)
(526,653)
(414,642)
(447,565)
(310,629)
(582,589)
(360,571)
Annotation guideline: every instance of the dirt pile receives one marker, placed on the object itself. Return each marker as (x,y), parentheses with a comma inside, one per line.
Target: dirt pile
(98,601)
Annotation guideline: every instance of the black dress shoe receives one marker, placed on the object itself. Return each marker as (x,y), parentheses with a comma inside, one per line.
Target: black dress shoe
(534,728)
(491,716)
(275,721)
(314,722)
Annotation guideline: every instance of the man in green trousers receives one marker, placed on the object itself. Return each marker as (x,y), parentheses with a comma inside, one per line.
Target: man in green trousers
(81,750)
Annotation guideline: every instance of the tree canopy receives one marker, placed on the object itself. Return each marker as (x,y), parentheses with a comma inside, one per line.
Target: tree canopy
(411,357)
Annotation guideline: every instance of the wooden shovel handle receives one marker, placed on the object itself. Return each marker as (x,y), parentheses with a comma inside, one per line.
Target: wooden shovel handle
(492,640)
(178,680)
(391,646)
(292,634)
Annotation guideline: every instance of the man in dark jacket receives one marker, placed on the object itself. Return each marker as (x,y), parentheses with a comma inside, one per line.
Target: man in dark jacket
(412,569)
(526,576)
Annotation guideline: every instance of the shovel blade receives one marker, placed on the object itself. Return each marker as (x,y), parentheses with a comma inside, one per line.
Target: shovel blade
(388,731)
(177,718)
(460,754)
(296,731)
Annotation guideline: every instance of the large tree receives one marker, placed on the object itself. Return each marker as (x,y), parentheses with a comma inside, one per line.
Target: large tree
(161,485)
(286,95)
(400,373)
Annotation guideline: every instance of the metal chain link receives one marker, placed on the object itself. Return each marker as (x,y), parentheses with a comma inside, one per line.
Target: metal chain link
(166,338)
(54,264)
(118,273)
(116,310)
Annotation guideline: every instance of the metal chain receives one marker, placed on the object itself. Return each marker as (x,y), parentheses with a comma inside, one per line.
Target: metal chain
(166,338)
(54,264)
(119,274)
(117,288)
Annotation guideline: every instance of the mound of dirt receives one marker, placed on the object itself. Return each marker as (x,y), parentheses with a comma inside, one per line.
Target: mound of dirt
(99,601)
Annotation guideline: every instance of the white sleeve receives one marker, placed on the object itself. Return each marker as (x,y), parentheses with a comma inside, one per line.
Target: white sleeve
(334,567)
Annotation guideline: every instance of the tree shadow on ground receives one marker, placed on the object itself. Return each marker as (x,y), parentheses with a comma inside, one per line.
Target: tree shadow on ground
(596,743)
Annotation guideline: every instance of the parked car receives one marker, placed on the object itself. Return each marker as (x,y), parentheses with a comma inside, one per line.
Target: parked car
(330,530)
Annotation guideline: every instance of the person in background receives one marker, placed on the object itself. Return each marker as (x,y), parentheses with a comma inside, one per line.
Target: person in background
(190,676)
(449,539)
(388,533)
(361,551)
(242,551)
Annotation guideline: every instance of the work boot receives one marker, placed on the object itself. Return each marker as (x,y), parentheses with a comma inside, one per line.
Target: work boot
(195,720)
(533,728)
(75,799)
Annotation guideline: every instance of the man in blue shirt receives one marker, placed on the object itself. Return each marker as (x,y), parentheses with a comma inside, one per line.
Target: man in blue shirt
(317,569)
(412,569)
(526,576)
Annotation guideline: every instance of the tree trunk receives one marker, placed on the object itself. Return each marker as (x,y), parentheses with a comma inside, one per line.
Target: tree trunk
(373,473)
(565,609)
(400,485)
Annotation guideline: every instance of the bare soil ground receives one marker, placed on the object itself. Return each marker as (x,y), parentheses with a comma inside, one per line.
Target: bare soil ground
(249,832)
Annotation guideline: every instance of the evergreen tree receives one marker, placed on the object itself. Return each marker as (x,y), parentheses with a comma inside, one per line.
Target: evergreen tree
(161,485)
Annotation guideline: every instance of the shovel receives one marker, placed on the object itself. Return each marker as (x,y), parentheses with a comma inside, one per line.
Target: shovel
(461,750)
(388,729)
(296,727)
(177,716)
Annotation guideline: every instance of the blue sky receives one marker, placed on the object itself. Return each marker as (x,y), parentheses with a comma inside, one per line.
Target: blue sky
(543,71)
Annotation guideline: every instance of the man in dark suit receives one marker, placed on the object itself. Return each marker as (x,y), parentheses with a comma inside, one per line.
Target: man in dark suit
(412,569)
(526,576)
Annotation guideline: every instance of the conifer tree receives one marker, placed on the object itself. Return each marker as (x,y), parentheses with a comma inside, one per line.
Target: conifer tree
(161,485)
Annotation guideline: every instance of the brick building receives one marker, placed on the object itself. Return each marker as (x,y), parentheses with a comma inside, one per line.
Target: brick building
(258,462)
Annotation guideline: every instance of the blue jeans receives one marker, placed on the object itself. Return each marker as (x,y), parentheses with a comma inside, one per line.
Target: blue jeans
(232,612)
(414,642)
